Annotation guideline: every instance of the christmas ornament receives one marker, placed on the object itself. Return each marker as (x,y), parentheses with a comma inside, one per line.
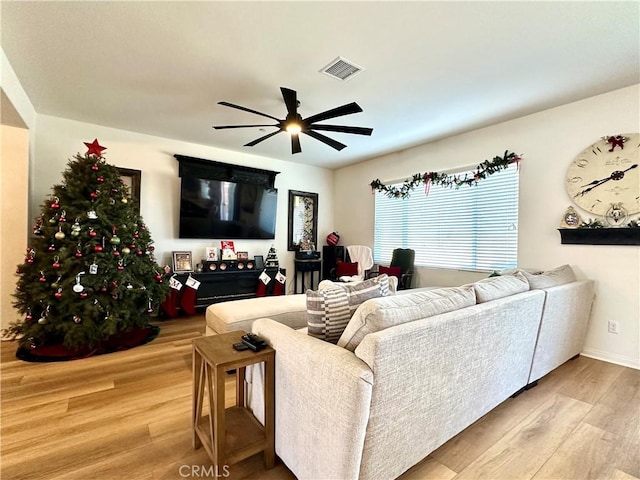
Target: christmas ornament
(94,148)
(52,248)
(116,253)
(56,284)
(93,268)
(77,319)
(56,262)
(92,215)
(58,294)
(149,308)
(31,255)
(78,251)
(126,250)
(120,265)
(124,200)
(53,220)
(100,179)
(29,317)
(136,234)
(94,195)
(63,216)
(84,294)
(42,277)
(95,167)
(92,232)
(78,288)
(97,248)
(115,240)
(55,203)
(59,234)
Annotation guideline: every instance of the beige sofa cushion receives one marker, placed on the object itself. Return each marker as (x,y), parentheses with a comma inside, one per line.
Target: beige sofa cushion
(381,313)
(493,288)
(551,278)
(225,317)
(330,309)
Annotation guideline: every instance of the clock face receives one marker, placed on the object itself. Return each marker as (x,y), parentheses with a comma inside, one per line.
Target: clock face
(606,173)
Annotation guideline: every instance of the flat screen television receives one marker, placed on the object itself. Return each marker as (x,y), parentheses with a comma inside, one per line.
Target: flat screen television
(219,209)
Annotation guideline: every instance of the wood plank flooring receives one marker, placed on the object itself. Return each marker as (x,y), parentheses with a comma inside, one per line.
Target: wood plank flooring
(127,415)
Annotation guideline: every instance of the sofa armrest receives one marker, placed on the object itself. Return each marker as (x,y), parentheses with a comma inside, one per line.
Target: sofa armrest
(323,396)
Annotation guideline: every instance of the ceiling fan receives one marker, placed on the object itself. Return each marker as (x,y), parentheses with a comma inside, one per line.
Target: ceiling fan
(295,124)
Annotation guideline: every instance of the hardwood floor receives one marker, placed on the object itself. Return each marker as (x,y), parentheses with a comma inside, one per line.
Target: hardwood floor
(127,415)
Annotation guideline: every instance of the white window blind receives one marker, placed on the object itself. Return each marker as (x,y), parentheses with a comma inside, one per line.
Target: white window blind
(468,228)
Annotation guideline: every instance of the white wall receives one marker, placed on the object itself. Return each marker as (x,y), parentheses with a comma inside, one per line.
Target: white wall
(548,141)
(57,140)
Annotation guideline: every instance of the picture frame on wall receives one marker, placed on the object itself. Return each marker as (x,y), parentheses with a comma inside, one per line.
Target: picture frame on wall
(182,262)
(243,255)
(132,179)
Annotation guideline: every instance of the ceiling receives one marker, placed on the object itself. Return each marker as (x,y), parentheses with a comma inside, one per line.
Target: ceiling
(432,69)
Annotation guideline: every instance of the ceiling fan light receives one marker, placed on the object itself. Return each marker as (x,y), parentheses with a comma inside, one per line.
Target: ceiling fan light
(293,128)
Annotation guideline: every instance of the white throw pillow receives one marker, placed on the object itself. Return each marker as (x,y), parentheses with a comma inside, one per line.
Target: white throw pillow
(381,313)
(500,286)
(551,278)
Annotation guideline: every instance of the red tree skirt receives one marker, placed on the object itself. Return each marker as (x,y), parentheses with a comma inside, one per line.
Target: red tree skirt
(115,343)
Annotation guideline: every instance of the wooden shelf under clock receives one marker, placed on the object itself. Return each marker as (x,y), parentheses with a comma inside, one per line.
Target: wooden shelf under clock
(600,236)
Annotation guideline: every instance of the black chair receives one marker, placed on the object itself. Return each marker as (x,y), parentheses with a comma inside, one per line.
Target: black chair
(403,259)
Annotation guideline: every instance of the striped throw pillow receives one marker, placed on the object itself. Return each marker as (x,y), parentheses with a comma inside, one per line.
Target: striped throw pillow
(329,310)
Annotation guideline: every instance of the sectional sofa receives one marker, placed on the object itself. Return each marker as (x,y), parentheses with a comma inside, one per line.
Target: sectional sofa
(412,370)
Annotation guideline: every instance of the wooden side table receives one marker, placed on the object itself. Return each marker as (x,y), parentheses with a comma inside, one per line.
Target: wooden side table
(231,434)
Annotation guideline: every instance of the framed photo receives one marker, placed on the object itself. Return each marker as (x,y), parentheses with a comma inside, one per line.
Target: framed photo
(243,255)
(211,254)
(132,179)
(182,262)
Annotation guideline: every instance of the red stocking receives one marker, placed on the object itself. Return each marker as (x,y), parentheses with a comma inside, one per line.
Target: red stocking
(278,287)
(263,280)
(170,305)
(188,300)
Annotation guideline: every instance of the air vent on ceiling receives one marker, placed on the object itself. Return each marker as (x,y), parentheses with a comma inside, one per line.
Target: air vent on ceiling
(342,69)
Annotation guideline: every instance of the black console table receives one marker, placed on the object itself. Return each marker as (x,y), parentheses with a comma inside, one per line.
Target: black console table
(303,266)
(227,285)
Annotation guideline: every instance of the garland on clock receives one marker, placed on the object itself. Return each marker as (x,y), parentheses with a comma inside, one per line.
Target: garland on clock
(483,170)
(89,275)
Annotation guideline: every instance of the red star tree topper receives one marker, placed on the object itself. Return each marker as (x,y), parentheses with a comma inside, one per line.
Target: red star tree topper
(94,148)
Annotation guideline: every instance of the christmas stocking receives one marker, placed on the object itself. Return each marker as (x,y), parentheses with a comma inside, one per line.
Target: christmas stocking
(188,298)
(170,305)
(278,287)
(263,281)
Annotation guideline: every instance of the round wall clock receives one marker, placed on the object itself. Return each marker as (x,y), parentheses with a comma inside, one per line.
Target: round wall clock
(607,173)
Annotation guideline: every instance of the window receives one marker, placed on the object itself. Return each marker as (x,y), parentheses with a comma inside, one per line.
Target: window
(468,228)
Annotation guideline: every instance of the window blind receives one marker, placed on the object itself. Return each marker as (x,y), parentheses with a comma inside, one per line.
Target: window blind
(468,228)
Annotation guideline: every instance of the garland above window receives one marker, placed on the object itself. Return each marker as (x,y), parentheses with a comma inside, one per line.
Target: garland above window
(483,170)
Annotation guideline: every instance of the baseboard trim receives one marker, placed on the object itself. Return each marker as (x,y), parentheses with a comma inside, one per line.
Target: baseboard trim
(612,358)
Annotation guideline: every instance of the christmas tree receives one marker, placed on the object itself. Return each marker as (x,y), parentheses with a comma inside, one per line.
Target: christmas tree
(90,274)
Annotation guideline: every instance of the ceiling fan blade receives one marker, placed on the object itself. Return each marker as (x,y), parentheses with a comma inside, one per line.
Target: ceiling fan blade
(227,104)
(342,129)
(258,140)
(295,144)
(219,127)
(347,109)
(324,139)
(290,100)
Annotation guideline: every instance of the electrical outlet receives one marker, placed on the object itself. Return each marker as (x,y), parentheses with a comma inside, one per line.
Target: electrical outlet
(613,327)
